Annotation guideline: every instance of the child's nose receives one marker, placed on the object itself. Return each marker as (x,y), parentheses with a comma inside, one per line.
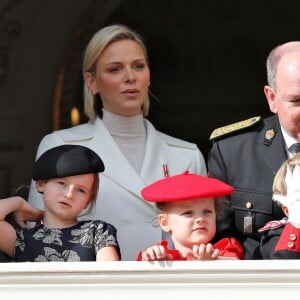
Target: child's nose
(69,191)
(200,220)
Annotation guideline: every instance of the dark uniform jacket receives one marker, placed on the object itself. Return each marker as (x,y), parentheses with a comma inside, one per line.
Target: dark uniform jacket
(280,240)
(247,156)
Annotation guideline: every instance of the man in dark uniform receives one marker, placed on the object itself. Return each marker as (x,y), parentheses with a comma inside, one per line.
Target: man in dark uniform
(248,159)
(247,154)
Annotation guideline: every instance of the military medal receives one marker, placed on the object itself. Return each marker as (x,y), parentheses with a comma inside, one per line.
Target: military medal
(269,134)
(165,170)
(248,224)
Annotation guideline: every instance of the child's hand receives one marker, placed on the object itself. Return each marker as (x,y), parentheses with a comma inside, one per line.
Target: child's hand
(156,252)
(27,212)
(205,252)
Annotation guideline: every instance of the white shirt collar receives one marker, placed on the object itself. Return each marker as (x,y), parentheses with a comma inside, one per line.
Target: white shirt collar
(289,140)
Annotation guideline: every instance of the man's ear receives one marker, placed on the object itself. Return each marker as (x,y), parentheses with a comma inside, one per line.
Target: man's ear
(271,98)
(164,223)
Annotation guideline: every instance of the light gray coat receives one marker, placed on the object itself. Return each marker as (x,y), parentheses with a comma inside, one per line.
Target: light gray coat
(119,200)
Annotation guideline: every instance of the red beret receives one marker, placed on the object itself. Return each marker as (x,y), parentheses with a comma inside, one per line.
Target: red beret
(185,186)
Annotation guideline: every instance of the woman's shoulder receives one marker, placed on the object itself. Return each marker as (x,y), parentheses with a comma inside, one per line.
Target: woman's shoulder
(174,141)
(82,131)
(168,139)
(78,133)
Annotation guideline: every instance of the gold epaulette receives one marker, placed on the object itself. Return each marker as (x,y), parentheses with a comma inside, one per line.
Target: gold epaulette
(233,127)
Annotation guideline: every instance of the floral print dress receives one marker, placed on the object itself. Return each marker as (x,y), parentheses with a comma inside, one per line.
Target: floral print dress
(80,242)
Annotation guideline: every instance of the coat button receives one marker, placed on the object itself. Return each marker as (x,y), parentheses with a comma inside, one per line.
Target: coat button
(249,205)
(293,237)
(155,222)
(290,244)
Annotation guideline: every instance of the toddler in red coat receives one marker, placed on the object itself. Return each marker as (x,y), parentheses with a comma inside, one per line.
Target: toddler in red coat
(188,205)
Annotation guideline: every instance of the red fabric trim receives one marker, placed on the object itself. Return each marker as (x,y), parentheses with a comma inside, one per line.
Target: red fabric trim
(284,239)
(271,225)
(175,253)
(228,247)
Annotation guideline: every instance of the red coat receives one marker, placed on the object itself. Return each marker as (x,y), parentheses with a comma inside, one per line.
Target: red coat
(280,240)
(228,247)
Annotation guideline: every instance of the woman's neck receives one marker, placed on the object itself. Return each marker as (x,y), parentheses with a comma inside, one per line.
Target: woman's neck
(129,133)
(118,125)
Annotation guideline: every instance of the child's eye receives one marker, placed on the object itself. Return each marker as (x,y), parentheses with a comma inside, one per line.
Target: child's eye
(62,183)
(81,191)
(207,211)
(187,213)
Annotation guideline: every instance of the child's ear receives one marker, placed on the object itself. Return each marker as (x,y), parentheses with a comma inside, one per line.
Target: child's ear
(40,186)
(164,223)
(88,203)
(285,210)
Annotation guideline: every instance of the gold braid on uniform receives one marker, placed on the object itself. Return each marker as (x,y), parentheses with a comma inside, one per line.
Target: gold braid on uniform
(234,127)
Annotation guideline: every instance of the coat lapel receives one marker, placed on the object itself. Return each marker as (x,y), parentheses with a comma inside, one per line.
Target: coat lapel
(158,153)
(117,168)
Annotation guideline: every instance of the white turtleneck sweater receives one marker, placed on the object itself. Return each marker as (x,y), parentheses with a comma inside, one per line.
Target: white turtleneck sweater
(130,135)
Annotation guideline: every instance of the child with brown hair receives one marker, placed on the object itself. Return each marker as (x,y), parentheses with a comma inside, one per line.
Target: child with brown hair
(67,176)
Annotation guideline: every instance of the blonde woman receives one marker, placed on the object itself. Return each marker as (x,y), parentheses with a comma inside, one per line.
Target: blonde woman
(116,86)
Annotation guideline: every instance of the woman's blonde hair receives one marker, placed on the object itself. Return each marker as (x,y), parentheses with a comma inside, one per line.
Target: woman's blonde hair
(279,184)
(94,50)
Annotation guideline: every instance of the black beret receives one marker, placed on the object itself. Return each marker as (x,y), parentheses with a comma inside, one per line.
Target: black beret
(66,160)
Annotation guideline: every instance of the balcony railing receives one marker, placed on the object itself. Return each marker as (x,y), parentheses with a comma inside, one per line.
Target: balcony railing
(272,279)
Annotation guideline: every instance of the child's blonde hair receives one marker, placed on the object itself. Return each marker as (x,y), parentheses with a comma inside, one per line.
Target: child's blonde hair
(279,184)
